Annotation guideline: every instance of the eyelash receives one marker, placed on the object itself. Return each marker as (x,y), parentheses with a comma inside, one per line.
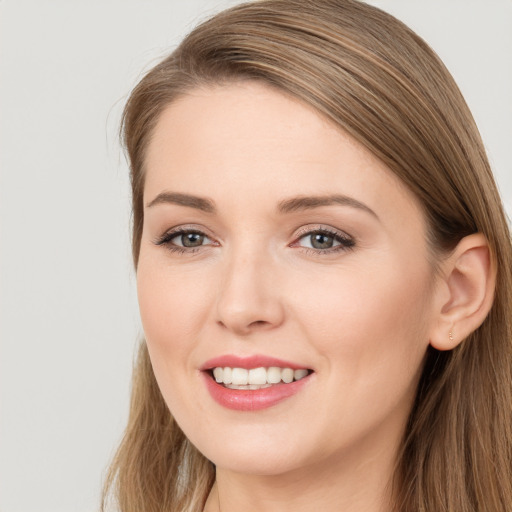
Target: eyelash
(346,242)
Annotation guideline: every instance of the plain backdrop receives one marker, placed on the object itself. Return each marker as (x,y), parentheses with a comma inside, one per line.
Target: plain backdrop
(68,317)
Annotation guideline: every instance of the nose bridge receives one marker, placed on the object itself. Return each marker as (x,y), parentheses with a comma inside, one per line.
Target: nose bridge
(248,298)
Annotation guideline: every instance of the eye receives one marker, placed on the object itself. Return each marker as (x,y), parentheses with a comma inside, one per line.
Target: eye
(189,239)
(319,241)
(325,241)
(184,240)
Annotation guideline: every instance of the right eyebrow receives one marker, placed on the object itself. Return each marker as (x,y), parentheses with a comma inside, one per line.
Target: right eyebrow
(199,203)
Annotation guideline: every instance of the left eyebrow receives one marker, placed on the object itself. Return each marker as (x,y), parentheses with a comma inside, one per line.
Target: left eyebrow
(309,202)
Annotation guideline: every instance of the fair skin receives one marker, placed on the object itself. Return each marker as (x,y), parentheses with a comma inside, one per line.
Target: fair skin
(344,289)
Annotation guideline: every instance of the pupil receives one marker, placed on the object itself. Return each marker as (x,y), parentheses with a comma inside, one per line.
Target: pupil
(322,241)
(192,240)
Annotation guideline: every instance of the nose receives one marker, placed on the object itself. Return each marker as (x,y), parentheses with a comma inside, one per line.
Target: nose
(249,295)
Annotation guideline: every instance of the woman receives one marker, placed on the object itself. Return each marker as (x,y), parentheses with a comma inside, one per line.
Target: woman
(323,270)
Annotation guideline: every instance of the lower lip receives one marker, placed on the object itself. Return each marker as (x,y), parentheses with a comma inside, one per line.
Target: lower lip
(252,399)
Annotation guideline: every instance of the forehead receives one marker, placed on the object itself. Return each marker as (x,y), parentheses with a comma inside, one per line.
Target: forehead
(248,140)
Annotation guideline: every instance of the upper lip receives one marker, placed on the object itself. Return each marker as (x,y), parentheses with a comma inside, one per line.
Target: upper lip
(248,362)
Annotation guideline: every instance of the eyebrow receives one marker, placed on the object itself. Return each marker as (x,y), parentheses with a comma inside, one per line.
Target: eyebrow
(199,203)
(285,206)
(309,202)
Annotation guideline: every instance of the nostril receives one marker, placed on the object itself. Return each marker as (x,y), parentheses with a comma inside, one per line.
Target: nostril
(259,323)
(243,328)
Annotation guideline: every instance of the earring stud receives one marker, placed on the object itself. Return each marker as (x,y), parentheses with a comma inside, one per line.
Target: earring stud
(450,335)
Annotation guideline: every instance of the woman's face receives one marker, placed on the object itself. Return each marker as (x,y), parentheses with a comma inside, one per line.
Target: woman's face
(273,239)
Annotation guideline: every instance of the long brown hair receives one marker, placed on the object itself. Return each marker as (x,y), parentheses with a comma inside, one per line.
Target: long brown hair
(374,78)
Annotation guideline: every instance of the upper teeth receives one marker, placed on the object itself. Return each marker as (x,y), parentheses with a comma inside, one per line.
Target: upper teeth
(257,376)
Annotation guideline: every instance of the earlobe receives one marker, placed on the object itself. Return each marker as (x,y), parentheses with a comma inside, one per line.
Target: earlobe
(466,292)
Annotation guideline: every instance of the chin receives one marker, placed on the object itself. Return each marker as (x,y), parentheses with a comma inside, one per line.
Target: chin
(256,462)
(257,451)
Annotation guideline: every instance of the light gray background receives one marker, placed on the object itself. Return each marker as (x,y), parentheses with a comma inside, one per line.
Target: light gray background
(68,314)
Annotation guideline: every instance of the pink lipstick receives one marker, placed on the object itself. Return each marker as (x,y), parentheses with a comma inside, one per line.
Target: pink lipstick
(253,383)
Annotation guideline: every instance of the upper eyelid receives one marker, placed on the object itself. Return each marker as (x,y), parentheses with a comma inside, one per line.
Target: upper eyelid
(322,229)
(186,228)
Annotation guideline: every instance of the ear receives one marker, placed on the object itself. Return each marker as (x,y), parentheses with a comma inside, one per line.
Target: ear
(465,294)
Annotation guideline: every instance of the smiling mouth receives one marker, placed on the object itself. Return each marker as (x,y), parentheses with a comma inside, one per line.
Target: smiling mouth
(256,378)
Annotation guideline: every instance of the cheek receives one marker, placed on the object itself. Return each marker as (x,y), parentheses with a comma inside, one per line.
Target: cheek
(370,331)
(172,309)
(360,318)
(172,305)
